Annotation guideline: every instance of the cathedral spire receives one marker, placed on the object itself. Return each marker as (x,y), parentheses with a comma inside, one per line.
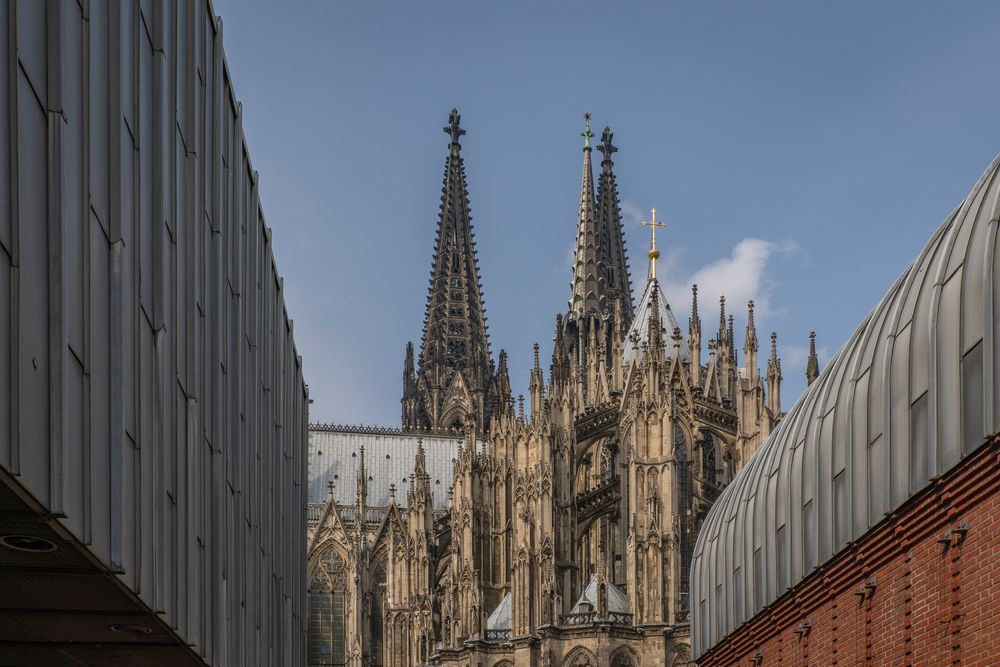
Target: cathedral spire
(750,347)
(750,343)
(409,399)
(536,386)
(503,391)
(722,320)
(361,498)
(454,370)
(812,366)
(694,338)
(611,236)
(774,379)
(587,279)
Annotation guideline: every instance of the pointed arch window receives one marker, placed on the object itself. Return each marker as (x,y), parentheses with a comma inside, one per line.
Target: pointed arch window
(376,613)
(685,502)
(328,612)
(708,460)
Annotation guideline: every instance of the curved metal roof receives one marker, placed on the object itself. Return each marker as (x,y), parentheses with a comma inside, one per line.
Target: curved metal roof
(910,394)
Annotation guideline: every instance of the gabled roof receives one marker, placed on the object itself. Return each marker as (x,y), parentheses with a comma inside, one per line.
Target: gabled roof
(617,599)
(500,618)
(390,460)
(910,394)
(640,324)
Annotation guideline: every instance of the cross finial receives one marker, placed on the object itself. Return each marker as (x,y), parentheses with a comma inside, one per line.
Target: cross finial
(454,129)
(586,134)
(392,491)
(653,252)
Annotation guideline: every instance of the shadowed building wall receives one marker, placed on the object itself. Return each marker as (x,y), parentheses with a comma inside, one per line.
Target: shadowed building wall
(152,405)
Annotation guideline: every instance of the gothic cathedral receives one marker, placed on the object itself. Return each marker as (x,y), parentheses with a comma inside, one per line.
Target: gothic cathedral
(567,533)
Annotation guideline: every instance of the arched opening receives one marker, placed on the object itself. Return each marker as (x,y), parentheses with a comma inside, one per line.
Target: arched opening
(375,613)
(327,599)
(685,506)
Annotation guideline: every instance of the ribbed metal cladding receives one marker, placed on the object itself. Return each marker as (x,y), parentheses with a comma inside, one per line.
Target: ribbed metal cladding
(912,392)
(151,396)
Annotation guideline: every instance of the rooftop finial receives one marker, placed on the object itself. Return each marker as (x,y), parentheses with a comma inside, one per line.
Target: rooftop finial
(606,147)
(454,129)
(586,134)
(653,252)
(812,365)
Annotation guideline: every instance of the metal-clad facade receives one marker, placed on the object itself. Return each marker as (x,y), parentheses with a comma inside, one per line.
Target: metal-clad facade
(151,396)
(910,394)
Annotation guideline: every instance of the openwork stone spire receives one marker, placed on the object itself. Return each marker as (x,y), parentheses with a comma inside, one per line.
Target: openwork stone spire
(612,253)
(454,378)
(588,280)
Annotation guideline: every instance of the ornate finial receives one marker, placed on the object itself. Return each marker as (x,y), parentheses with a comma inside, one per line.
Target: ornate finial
(812,365)
(653,252)
(606,146)
(586,134)
(330,485)
(392,491)
(454,129)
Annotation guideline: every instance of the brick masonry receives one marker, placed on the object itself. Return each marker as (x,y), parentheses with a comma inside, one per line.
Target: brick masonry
(920,588)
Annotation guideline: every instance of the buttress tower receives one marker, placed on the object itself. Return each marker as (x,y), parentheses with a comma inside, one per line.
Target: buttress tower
(452,385)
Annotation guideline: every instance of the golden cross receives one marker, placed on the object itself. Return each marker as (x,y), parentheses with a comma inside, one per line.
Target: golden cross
(653,252)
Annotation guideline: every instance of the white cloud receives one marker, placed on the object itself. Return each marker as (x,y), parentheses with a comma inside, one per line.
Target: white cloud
(632,214)
(740,276)
(795,356)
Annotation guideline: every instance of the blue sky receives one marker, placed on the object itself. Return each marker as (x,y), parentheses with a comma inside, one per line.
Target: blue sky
(801,152)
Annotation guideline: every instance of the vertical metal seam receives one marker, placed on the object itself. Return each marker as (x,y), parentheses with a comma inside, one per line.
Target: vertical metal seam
(87,220)
(15,250)
(58,321)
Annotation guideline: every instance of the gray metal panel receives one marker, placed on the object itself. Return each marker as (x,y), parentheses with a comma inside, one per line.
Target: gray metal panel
(909,394)
(149,380)
(389,457)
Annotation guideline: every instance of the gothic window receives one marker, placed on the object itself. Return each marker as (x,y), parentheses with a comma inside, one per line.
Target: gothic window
(328,612)
(456,348)
(708,463)
(456,296)
(456,329)
(456,311)
(375,614)
(579,657)
(607,463)
(687,531)
(622,659)
(454,283)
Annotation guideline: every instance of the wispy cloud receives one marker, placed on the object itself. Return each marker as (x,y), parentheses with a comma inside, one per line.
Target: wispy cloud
(740,276)
(631,213)
(794,358)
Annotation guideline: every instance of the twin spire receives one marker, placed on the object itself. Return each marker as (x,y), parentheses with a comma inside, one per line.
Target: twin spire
(453,382)
(600,269)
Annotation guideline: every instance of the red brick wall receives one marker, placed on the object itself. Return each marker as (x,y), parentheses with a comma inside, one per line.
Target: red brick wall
(933,595)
